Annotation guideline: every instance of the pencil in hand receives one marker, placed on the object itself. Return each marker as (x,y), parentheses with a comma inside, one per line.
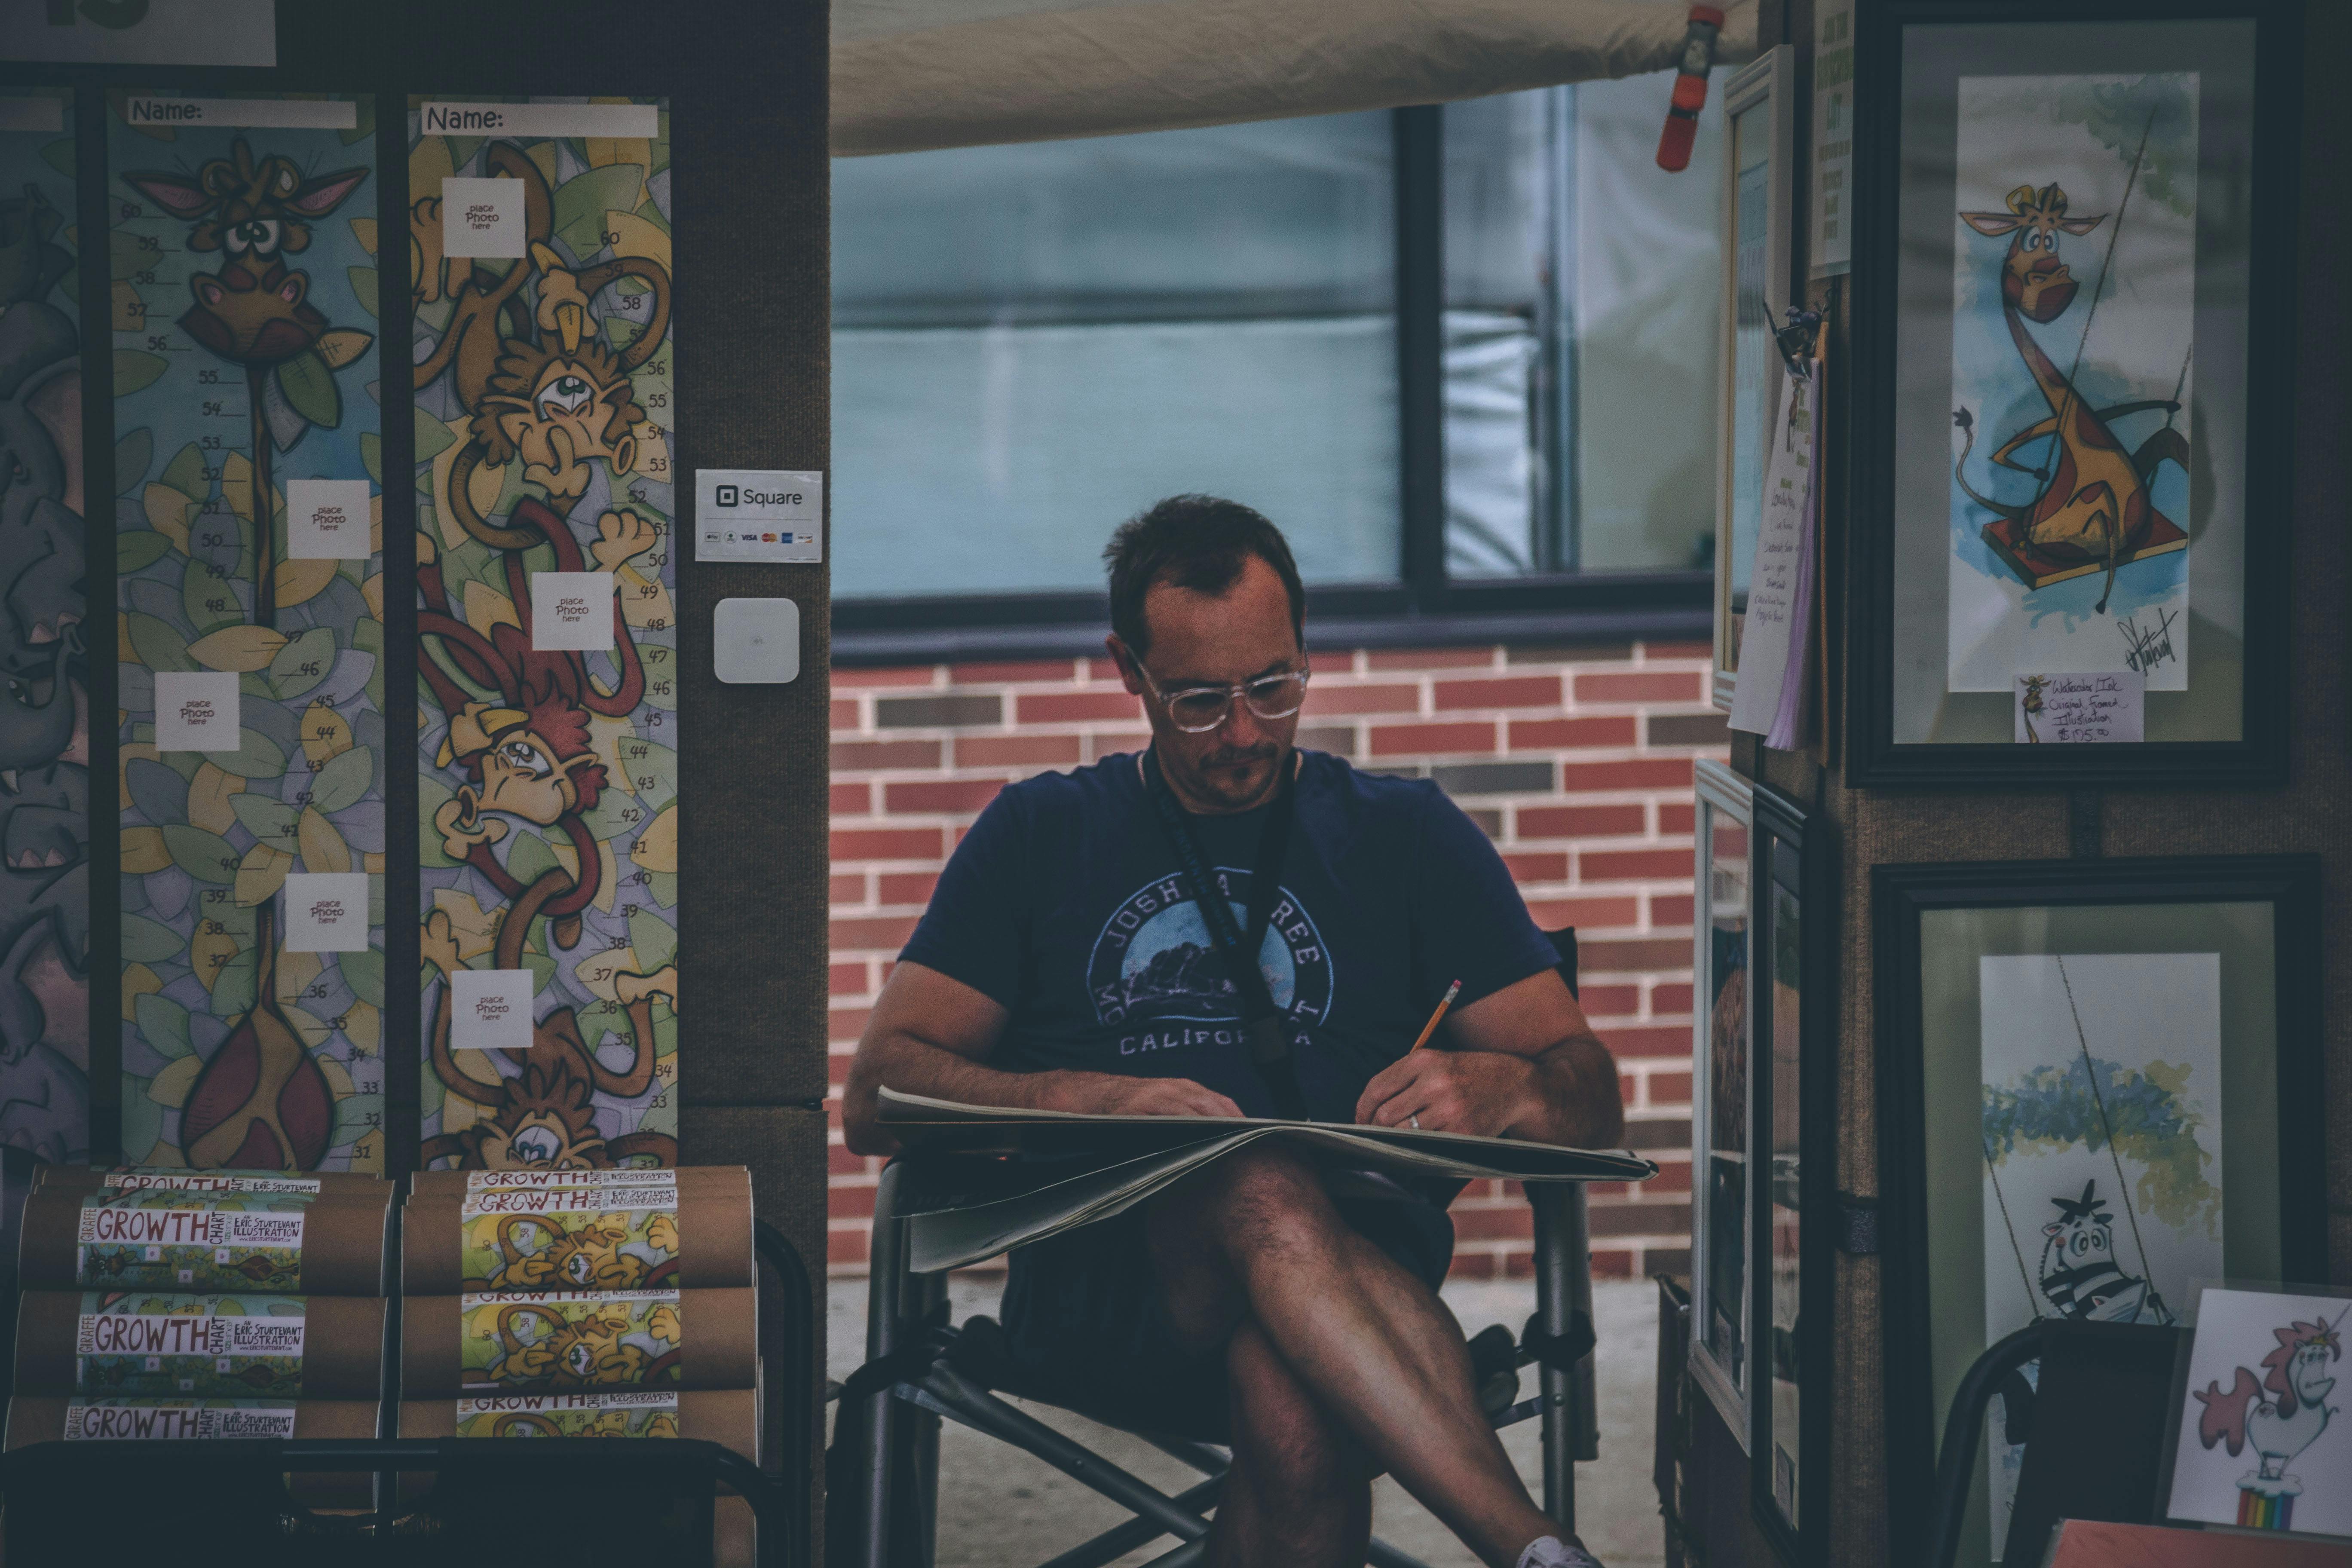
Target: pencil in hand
(1442,1004)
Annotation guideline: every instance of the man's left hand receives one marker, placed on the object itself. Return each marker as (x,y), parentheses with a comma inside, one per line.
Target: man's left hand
(1482,1093)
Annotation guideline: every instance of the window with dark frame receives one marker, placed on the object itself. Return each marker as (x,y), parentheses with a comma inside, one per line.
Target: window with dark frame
(1464,357)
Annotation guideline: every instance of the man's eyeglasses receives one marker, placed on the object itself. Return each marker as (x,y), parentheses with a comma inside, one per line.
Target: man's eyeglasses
(1196,709)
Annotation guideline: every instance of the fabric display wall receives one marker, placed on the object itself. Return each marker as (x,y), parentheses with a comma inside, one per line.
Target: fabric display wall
(393,876)
(250,462)
(410,278)
(44,734)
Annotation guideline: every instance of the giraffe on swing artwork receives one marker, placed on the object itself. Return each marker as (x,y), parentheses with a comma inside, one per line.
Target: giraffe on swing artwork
(2101,1085)
(2073,326)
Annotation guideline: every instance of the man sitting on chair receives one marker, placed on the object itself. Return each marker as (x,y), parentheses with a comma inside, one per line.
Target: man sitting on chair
(1065,964)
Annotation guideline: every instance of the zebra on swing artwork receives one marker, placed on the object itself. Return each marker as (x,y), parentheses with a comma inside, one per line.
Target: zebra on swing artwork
(2100,1081)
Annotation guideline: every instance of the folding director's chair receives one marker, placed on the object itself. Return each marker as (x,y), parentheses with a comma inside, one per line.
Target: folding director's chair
(882,1486)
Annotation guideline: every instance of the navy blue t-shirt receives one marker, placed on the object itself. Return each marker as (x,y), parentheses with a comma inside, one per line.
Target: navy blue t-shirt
(1062,904)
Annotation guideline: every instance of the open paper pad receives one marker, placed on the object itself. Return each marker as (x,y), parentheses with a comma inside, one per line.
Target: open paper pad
(1076,1169)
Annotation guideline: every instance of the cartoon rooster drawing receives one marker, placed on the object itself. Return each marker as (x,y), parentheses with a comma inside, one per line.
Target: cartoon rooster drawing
(2280,1418)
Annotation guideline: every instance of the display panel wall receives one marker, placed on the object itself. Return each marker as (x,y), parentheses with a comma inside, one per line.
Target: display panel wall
(43,740)
(331,1045)
(1938,820)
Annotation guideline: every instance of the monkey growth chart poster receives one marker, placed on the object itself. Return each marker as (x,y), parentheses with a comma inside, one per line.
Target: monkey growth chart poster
(249,584)
(44,732)
(2074,312)
(2102,1177)
(547,661)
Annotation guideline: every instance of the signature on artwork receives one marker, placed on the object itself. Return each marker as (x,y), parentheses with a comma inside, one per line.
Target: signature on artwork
(2152,646)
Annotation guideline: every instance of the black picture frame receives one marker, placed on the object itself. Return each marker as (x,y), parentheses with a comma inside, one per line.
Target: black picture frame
(1875,756)
(1900,896)
(1794,869)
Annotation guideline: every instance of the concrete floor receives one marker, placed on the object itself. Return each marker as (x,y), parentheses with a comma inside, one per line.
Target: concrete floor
(999,1508)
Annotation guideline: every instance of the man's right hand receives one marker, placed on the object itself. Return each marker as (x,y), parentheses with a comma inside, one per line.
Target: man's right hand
(931,1034)
(1109,1094)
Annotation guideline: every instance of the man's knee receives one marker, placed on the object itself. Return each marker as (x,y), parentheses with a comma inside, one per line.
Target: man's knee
(1265,1192)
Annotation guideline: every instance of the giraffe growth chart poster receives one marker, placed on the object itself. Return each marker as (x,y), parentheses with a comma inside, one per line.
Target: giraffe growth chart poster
(2102,1094)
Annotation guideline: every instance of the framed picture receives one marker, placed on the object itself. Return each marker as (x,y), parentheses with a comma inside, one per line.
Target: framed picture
(1722,1110)
(2256,1443)
(1794,1095)
(2072,286)
(2097,1084)
(1760,110)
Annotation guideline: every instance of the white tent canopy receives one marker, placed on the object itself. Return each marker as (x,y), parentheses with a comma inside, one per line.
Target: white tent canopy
(914,74)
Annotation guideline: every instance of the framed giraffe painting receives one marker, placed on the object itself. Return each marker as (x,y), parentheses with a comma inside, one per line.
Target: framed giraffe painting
(2074,225)
(2098,1084)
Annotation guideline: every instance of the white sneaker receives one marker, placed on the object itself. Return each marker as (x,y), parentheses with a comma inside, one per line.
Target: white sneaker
(1552,1551)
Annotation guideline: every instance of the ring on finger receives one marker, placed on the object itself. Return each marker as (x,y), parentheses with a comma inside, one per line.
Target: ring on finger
(1413,1122)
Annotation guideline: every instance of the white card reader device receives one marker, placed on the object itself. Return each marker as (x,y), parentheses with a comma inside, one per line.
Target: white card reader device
(756,641)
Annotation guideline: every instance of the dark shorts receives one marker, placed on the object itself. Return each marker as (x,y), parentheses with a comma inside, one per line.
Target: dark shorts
(1086,1326)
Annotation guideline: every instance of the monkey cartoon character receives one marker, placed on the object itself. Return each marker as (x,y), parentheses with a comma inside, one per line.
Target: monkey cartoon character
(523,1243)
(592,1349)
(541,1117)
(591,1257)
(528,755)
(530,373)
(526,1353)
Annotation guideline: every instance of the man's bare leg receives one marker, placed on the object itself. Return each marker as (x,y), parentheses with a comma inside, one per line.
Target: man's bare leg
(1255,1240)
(1299,1493)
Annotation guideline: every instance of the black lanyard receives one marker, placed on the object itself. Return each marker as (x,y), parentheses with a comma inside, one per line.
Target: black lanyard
(1262,1023)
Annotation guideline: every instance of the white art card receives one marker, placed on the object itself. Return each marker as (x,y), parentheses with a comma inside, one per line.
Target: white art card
(2264,1440)
(490,1010)
(571,611)
(196,710)
(2074,313)
(327,911)
(2101,1082)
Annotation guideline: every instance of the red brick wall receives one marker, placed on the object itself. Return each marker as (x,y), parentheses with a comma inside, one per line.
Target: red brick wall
(1576,762)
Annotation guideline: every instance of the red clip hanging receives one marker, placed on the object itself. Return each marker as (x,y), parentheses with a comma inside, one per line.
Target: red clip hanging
(1690,88)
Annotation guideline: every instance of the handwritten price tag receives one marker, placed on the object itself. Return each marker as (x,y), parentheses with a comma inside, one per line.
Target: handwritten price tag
(2092,708)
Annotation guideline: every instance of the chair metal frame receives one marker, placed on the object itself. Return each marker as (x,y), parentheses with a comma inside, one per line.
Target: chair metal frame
(896,1488)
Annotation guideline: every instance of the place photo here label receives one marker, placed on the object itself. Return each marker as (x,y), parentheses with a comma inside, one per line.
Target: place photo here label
(490,1010)
(196,710)
(571,610)
(624,121)
(483,217)
(327,911)
(327,519)
(248,113)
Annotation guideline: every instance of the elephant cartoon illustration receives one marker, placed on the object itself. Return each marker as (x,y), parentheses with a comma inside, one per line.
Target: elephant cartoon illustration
(43,740)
